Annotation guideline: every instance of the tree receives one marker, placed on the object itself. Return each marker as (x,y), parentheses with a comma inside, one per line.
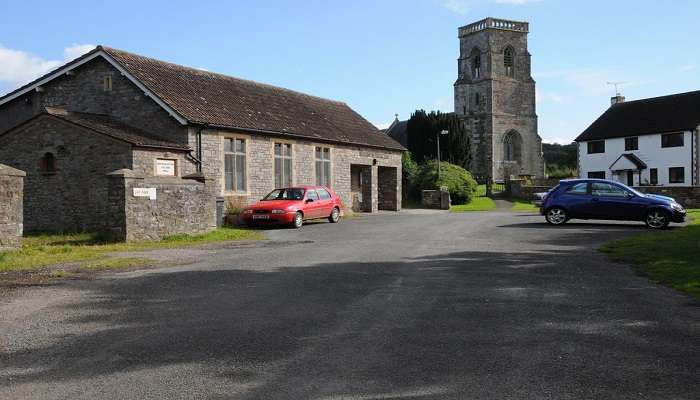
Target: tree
(560,155)
(459,182)
(421,137)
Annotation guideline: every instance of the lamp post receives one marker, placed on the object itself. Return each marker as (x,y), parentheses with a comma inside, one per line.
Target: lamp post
(442,132)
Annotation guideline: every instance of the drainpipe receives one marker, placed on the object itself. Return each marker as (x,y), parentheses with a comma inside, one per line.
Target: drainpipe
(199,147)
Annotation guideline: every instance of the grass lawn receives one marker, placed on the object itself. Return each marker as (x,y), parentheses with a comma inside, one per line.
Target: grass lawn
(477,204)
(480,191)
(44,250)
(524,206)
(670,258)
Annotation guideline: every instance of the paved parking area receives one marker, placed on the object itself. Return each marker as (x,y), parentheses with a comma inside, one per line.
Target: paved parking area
(417,305)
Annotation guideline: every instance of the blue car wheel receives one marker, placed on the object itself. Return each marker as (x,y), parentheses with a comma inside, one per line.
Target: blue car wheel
(657,219)
(556,216)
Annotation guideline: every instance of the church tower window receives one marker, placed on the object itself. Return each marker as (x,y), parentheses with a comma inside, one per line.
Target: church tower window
(509,61)
(511,146)
(476,64)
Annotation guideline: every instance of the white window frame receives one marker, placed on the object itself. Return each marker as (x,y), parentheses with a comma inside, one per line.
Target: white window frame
(235,154)
(282,157)
(323,162)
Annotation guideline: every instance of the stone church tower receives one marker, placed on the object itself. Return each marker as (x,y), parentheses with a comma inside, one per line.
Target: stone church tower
(495,97)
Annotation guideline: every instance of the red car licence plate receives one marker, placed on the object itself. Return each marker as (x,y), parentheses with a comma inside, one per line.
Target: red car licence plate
(261,216)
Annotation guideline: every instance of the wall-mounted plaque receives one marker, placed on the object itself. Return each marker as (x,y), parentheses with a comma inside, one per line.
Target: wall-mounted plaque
(165,167)
(145,192)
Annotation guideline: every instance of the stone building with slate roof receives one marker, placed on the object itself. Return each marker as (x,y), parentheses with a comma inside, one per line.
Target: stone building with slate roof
(644,142)
(113,110)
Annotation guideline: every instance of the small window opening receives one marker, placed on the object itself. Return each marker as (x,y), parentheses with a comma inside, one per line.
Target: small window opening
(508,62)
(107,83)
(47,164)
(476,64)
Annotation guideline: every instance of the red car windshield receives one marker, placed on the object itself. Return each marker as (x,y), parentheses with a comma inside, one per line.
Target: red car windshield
(285,194)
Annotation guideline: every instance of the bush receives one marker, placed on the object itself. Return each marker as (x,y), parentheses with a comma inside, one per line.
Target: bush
(459,181)
(555,171)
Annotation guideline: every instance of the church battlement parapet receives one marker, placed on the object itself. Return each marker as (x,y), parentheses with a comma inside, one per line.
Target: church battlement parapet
(494,23)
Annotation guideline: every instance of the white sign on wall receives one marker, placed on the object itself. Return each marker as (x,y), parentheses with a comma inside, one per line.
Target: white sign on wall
(145,192)
(165,167)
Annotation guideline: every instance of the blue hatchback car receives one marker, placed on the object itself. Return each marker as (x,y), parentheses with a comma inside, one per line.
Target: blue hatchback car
(608,200)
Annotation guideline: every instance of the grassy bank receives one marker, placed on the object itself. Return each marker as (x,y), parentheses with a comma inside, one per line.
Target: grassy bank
(671,257)
(44,250)
(477,204)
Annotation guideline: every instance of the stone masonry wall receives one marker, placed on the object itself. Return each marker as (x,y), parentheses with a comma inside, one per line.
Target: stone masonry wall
(181,206)
(688,196)
(387,194)
(83,91)
(505,103)
(11,199)
(73,197)
(144,162)
(260,166)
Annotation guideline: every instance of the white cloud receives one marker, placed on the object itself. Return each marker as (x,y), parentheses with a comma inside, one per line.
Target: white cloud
(77,50)
(687,68)
(517,2)
(591,81)
(18,67)
(543,96)
(463,6)
(457,6)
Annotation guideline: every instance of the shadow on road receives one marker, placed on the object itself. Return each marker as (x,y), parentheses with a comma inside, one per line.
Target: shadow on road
(474,324)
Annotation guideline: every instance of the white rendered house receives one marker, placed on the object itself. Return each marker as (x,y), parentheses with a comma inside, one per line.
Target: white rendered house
(644,142)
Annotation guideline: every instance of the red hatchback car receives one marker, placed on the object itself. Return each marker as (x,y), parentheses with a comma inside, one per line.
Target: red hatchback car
(293,206)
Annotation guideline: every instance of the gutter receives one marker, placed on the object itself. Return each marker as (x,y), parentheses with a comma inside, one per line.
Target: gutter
(302,137)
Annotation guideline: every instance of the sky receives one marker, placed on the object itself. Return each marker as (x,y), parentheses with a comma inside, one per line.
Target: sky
(382,57)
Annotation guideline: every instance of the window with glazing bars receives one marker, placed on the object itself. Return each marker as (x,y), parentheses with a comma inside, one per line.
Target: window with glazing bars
(323,166)
(283,165)
(235,165)
(508,62)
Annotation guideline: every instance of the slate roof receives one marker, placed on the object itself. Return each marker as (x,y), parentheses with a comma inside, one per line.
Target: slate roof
(674,113)
(633,159)
(108,126)
(204,97)
(397,131)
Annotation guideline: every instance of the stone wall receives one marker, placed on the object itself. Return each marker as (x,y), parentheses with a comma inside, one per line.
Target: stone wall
(260,167)
(83,91)
(144,162)
(179,206)
(438,199)
(387,192)
(73,197)
(688,196)
(11,199)
(516,188)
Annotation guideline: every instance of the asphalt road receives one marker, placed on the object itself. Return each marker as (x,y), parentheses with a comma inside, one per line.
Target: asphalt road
(435,306)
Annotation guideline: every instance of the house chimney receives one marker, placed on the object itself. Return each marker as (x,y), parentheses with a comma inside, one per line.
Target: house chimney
(617,99)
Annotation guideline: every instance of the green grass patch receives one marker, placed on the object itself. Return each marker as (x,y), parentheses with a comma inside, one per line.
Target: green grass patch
(44,250)
(480,191)
(477,204)
(524,206)
(670,257)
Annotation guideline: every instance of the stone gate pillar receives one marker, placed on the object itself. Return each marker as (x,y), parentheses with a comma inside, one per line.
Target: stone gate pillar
(11,207)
